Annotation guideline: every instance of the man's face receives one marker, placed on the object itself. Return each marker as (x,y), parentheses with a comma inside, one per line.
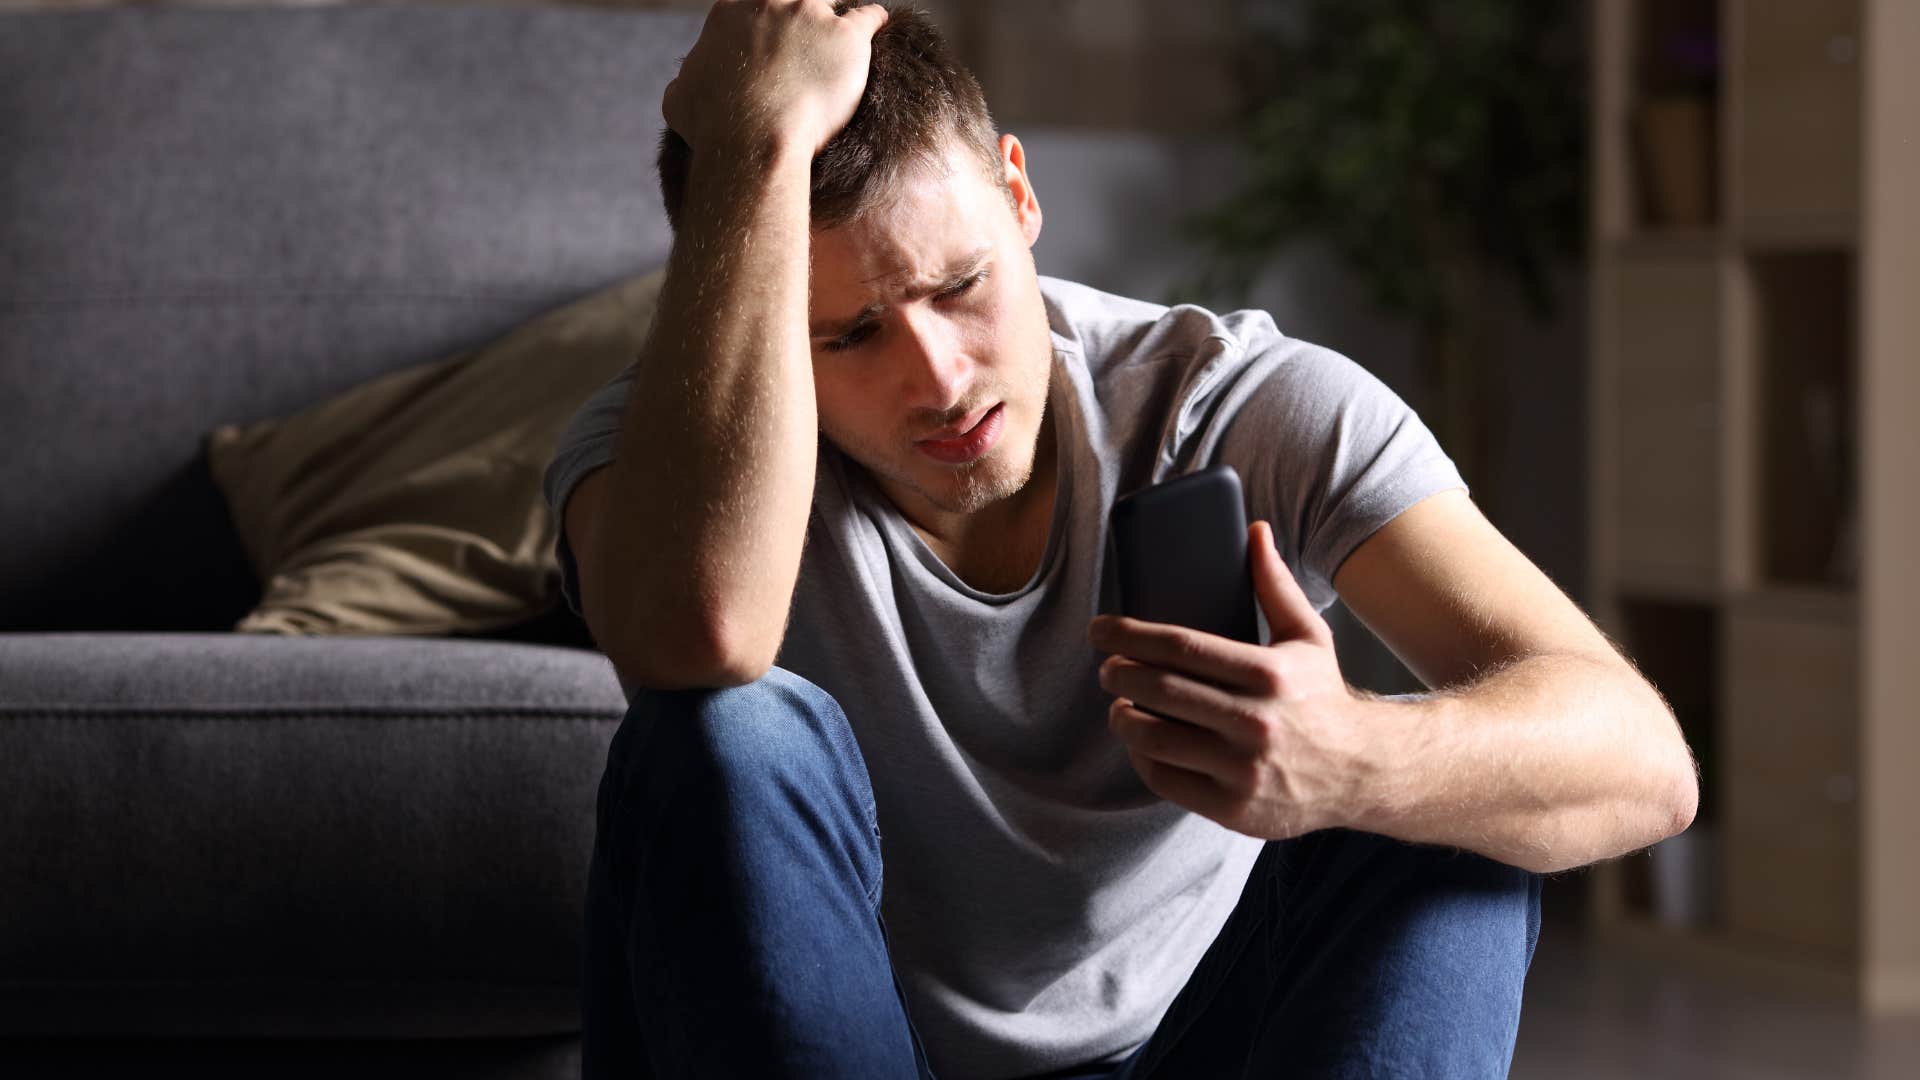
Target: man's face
(927,323)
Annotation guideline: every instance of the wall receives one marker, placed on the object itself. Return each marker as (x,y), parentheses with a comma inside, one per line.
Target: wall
(1125,105)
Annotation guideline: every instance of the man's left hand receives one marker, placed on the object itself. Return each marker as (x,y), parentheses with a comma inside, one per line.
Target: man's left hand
(1268,740)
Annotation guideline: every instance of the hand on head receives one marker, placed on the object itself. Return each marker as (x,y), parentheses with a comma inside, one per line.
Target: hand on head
(780,71)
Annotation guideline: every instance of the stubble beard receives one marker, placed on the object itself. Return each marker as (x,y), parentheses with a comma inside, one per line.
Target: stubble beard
(997,476)
(973,487)
(980,484)
(964,489)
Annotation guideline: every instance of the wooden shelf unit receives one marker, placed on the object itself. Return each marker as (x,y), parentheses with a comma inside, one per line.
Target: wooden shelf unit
(1755,503)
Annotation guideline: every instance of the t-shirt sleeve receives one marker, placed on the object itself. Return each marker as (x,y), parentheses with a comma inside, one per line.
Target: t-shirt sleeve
(586,443)
(1327,452)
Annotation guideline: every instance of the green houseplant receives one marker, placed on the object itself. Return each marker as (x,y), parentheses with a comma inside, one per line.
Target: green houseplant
(1433,146)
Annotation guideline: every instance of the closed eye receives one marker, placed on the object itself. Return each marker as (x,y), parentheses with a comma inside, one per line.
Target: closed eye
(963,286)
(852,338)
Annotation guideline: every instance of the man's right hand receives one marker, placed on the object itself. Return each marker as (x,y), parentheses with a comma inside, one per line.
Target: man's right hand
(773,69)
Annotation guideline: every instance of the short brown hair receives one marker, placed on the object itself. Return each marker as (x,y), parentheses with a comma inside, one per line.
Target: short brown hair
(917,95)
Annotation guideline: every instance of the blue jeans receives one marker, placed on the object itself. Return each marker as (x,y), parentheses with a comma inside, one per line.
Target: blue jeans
(734,928)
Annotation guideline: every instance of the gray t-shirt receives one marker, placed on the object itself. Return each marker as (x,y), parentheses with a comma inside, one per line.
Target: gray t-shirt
(1043,907)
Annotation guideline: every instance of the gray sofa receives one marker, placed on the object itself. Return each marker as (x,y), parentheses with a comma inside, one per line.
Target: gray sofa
(223,854)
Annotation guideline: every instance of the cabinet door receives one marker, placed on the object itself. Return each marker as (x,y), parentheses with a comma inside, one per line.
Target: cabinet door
(1792,869)
(1797,137)
(1666,509)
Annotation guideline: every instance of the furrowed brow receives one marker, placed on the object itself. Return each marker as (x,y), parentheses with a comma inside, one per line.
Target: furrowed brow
(847,326)
(965,269)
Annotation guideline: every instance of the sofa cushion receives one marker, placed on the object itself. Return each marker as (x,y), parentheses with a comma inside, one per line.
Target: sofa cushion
(224,215)
(412,504)
(245,835)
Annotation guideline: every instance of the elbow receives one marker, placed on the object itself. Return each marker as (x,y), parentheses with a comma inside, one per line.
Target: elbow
(658,642)
(1683,790)
(731,652)
(722,664)
(695,653)
(1673,803)
(1686,798)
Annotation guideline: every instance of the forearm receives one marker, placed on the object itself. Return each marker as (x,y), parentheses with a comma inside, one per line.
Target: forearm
(713,476)
(1548,763)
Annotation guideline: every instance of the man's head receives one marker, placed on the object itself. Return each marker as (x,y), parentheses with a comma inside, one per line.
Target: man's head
(917,96)
(925,312)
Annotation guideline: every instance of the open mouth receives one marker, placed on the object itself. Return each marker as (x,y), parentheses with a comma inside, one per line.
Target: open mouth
(969,444)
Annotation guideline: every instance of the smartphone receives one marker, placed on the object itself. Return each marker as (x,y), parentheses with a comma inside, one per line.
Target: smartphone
(1180,548)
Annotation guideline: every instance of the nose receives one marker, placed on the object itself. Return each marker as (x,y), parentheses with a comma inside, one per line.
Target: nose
(934,365)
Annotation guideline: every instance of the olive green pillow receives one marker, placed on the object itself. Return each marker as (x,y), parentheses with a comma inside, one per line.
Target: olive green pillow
(412,503)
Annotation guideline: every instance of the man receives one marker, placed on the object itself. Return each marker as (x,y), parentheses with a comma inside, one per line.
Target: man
(840,527)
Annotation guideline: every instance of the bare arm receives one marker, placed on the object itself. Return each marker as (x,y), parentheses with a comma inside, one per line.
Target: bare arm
(689,544)
(1548,762)
(688,570)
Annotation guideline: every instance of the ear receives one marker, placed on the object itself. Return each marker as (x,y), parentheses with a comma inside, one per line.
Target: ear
(1026,205)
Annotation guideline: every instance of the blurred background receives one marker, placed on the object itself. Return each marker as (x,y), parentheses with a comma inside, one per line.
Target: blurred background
(1648,269)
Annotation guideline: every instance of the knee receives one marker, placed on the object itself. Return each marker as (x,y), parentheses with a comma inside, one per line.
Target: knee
(777,732)
(1472,901)
(1441,896)
(1414,956)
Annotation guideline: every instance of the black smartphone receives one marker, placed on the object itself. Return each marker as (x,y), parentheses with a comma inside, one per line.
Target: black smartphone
(1180,548)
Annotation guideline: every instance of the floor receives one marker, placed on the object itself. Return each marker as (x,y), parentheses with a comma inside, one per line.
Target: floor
(1614,1013)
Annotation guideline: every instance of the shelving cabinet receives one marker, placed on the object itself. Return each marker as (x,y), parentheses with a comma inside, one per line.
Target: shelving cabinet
(1755,480)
